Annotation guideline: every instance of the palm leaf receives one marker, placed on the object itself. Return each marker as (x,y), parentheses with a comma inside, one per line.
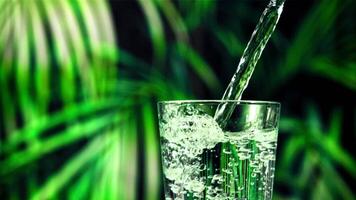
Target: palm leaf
(310,34)
(68,62)
(175,20)
(156,29)
(200,67)
(152,152)
(57,181)
(344,75)
(37,149)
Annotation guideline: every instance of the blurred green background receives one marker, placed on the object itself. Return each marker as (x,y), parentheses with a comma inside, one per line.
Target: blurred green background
(79,82)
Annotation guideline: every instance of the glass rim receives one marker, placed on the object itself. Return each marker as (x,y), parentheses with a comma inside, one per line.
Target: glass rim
(243,102)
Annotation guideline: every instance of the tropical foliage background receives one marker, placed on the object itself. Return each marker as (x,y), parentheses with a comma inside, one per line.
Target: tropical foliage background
(79,82)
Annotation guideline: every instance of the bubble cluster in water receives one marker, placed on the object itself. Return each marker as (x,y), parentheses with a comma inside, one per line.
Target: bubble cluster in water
(188,135)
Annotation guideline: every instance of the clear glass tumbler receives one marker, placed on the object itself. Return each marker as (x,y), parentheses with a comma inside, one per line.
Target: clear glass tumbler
(202,159)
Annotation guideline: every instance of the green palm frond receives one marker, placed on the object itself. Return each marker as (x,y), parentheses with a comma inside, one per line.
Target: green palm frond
(58,61)
(313,33)
(344,74)
(313,146)
(156,29)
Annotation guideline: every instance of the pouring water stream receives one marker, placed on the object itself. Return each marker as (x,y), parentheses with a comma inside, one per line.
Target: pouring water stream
(259,38)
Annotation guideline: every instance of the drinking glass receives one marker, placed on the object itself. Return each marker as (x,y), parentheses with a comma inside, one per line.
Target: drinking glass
(202,159)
